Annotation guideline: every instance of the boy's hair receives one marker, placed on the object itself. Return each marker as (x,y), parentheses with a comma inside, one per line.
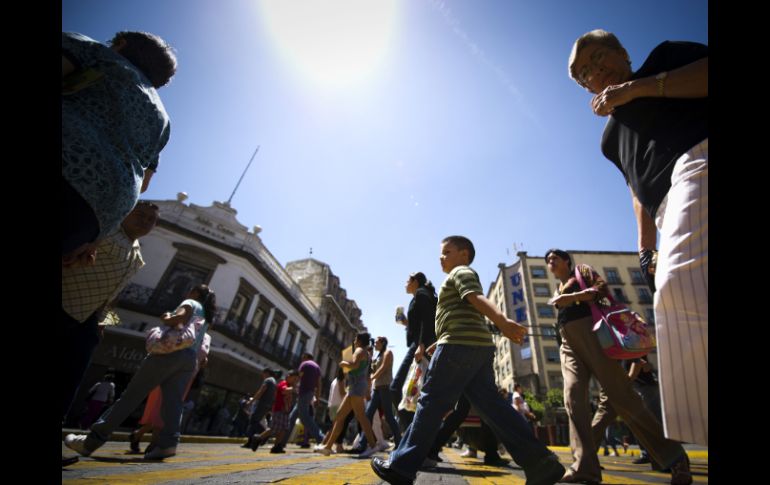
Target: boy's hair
(292,373)
(461,243)
(150,54)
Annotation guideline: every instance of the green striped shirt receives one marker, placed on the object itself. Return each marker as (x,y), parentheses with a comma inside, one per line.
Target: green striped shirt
(457,322)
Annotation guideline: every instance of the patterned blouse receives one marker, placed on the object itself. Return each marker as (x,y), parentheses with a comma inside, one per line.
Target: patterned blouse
(113,128)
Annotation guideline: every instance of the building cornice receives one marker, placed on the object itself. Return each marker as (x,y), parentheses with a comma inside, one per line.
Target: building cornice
(233,238)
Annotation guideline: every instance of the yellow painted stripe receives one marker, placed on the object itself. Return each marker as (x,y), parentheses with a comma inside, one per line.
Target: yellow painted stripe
(190,472)
(359,473)
(482,474)
(120,459)
(701,454)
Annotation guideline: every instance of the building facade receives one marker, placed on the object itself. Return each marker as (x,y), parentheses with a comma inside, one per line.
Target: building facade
(522,291)
(339,317)
(263,318)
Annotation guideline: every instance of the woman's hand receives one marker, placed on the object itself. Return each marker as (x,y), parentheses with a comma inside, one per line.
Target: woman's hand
(604,103)
(418,354)
(562,301)
(431,349)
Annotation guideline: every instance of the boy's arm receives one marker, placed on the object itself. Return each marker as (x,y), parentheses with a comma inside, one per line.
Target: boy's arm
(508,327)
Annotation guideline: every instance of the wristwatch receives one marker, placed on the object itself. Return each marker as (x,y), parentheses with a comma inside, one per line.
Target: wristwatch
(660,79)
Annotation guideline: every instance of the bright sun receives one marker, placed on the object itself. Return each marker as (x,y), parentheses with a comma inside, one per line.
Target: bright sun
(333,42)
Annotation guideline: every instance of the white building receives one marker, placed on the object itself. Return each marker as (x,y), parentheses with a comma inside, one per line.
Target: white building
(263,320)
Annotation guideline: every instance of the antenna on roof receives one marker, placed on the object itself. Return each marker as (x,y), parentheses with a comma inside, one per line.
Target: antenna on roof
(242,175)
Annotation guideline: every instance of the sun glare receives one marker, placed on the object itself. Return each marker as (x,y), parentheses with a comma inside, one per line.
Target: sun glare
(333,42)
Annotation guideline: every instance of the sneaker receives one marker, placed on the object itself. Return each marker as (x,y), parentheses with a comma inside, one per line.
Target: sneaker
(546,471)
(318,447)
(469,453)
(383,445)
(641,460)
(680,472)
(435,457)
(383,470)
(324,451)
(159,453)
(277,449)
(77,442)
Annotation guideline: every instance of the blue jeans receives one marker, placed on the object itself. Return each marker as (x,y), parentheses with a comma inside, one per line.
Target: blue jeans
(172,372)
(456,370)
(381,400)
(302,408)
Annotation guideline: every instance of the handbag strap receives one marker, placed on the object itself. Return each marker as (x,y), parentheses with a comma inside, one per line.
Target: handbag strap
(596,310)
(583,286)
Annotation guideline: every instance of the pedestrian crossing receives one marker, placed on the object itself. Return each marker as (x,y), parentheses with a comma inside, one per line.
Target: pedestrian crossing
(228,463)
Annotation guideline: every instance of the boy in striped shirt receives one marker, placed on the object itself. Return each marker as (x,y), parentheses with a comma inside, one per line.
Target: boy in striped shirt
(462,364)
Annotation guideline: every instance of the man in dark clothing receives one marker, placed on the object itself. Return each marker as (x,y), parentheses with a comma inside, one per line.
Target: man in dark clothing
(309,386)
(264,397)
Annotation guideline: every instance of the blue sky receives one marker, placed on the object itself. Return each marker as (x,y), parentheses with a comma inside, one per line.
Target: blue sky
(385,128)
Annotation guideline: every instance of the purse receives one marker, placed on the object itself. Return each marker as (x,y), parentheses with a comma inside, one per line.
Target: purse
(165,339)
(622,333)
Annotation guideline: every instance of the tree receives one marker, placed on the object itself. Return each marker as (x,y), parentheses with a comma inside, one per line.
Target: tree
(537,407)
(554,398)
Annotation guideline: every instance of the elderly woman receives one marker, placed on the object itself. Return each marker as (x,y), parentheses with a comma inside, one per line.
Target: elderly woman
(581,358)
(114,127)
(657,135)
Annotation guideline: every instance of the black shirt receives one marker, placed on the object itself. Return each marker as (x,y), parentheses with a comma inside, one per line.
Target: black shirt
(421,318)
(645,137)
(573,311)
